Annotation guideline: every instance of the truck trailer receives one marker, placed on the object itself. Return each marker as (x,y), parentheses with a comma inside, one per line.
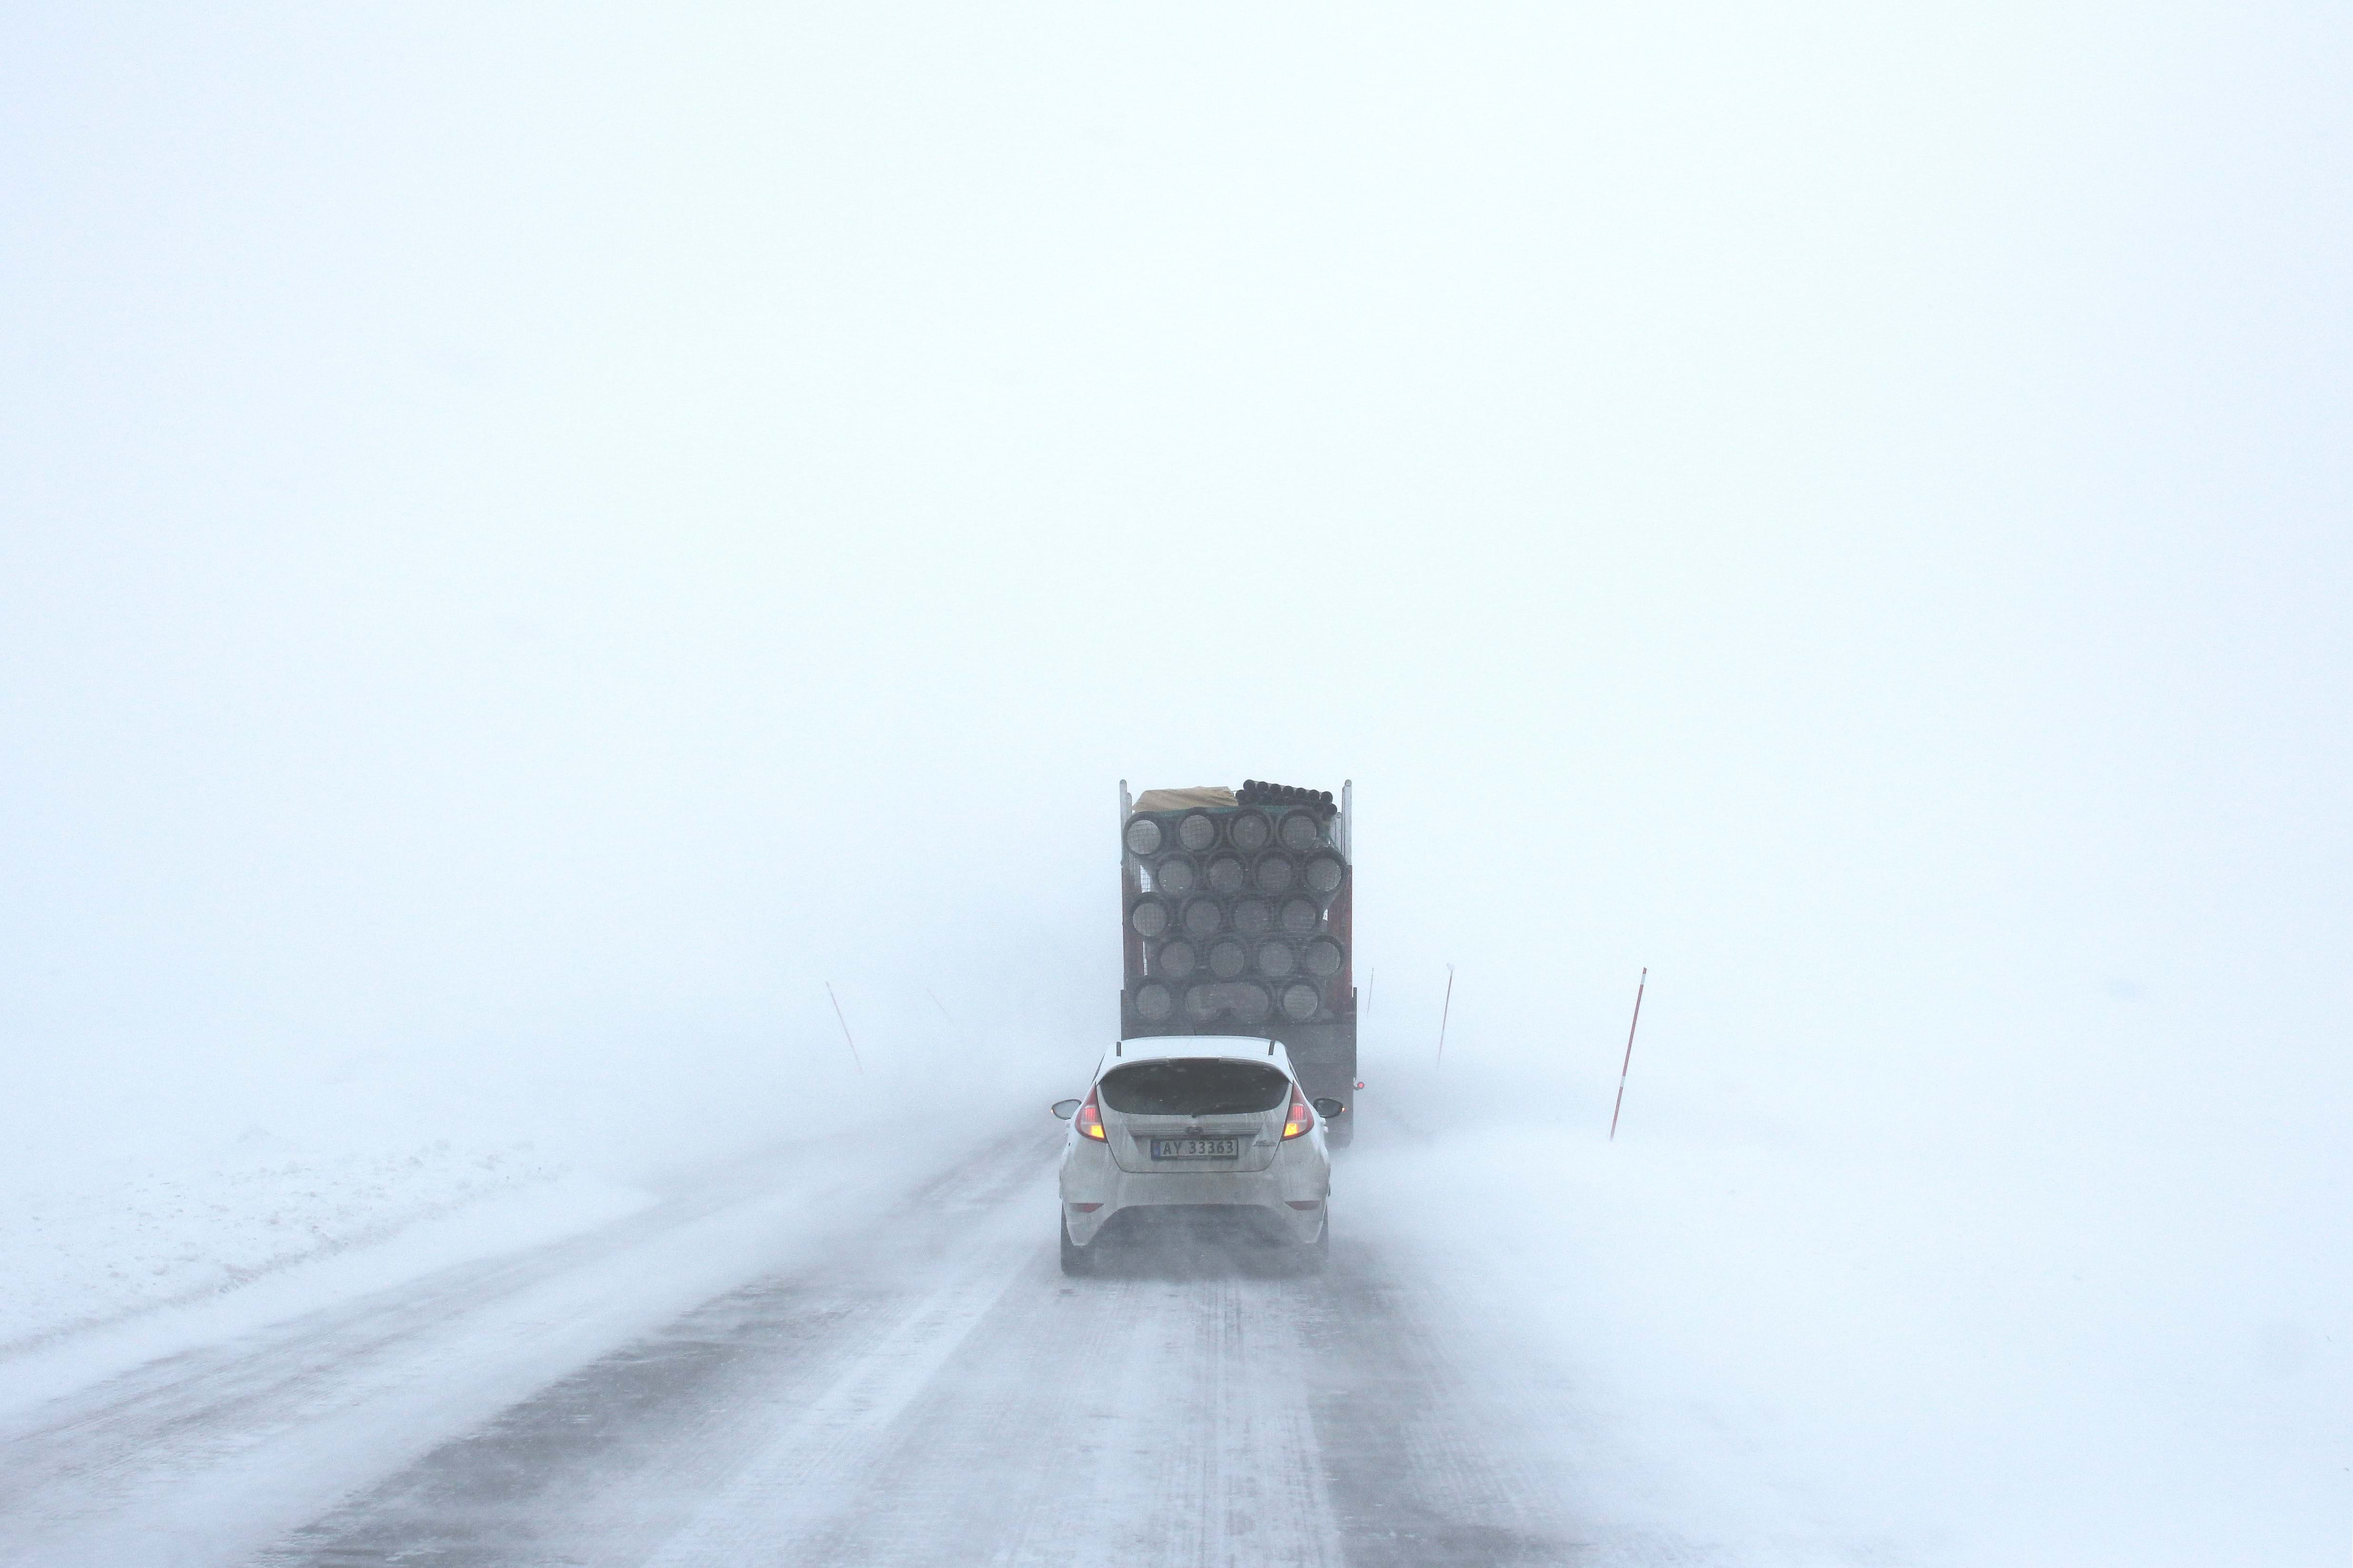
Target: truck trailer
(1236,909)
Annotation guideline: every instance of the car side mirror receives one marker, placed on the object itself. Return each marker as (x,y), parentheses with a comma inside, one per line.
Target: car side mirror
(1327,1108)
(1064,1108)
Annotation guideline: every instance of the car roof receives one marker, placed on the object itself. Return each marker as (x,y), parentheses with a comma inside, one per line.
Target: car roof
(1245,1045)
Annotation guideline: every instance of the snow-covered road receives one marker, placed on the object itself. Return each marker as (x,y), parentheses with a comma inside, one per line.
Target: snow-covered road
(718,1379)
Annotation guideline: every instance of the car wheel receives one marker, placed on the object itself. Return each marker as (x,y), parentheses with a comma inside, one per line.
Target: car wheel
(1318,1252)
(1076,1259)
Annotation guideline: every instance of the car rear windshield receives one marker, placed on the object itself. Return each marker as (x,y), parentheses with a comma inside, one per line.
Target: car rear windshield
(1193,1086)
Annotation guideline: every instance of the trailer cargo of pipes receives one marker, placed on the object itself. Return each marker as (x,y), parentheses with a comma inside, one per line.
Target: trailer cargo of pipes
(1236,911)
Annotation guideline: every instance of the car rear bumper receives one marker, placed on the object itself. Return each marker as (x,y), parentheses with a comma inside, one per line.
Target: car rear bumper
(1187,1228)
(1289,1198)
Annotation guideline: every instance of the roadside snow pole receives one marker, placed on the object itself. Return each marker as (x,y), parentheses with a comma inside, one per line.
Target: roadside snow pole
(1444,1012)
(845,1028)
(1629,1062)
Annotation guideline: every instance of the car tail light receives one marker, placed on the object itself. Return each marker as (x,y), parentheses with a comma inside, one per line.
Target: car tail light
(1088,1120)
(1300,1120)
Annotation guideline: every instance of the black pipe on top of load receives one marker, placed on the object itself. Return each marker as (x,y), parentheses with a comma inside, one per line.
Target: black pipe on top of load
(1259,792)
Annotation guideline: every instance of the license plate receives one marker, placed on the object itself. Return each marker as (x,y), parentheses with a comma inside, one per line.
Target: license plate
(1196,1148)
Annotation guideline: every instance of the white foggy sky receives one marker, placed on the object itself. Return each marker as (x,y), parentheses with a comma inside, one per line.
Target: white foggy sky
(561,524)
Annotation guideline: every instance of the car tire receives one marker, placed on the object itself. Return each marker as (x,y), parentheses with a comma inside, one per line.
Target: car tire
(1077,1261)
(1318,1252)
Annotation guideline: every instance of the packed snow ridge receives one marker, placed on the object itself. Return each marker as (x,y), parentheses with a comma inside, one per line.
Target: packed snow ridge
(95,1247)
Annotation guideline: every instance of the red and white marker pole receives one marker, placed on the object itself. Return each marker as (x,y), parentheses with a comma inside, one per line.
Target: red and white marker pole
(1629,1062)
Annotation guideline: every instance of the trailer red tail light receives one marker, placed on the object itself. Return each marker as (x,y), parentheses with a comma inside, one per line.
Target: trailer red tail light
(1090,1120)
(1294,1125)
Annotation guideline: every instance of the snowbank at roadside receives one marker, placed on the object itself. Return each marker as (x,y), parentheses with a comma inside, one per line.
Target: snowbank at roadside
(94,1242)
(1808,1355)
(139,1182)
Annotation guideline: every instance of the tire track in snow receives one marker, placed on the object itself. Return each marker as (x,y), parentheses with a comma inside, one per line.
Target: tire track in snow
(925,1387)
(203,1457)
(939,1394)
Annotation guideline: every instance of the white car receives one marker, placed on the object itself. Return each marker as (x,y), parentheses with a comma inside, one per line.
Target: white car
(1193,1132)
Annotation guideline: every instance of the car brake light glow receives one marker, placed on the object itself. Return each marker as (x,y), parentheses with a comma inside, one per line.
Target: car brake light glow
(1089,1121)
(1300,1120)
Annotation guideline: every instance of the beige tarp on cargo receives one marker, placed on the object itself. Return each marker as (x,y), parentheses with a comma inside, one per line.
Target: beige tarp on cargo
(1184,799)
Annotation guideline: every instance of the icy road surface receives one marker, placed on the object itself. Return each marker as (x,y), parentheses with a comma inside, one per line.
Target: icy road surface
(715,1382)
